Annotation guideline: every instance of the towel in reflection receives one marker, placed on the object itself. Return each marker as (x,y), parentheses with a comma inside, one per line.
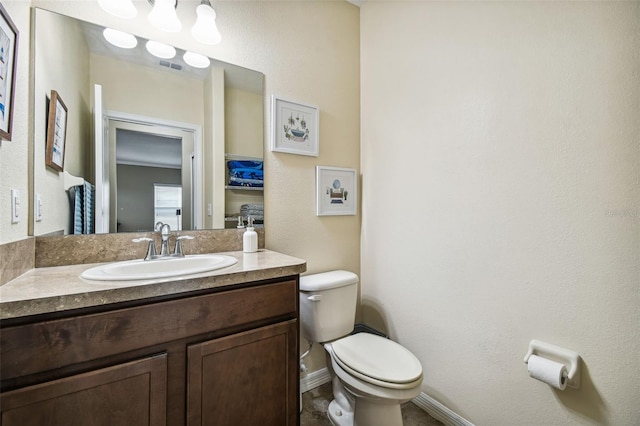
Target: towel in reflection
(81,203)
(245,173)
(256,211)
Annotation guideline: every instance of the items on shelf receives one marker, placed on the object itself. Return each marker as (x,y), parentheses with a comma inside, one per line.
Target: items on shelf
(245,173)
(256,211)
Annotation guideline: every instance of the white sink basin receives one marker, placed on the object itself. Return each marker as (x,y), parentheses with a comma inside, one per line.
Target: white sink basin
(158,268)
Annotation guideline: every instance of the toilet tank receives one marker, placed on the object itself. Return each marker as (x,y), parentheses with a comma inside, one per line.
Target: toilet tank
(328,305)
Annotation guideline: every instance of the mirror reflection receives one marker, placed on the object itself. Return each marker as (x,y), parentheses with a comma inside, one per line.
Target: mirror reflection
(147,138)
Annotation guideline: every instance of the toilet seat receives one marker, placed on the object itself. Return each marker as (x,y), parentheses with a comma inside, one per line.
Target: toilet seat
(377,360)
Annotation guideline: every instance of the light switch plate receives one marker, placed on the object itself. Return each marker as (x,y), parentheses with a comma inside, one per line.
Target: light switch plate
(38,207)
(15,206)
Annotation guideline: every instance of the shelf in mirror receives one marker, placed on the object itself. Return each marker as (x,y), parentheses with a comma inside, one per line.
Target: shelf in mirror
(244,189)
(244,173)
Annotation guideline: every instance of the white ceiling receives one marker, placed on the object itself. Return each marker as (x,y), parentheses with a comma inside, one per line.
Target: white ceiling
(235,76)
(146,149)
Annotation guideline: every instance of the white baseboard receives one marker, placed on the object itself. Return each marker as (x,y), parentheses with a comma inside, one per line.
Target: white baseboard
(439,411)
(423,401)
(314,379)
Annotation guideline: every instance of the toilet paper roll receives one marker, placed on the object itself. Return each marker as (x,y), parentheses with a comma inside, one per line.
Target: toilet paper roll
(547,371)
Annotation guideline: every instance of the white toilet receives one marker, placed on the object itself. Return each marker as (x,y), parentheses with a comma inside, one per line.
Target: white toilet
(371,375)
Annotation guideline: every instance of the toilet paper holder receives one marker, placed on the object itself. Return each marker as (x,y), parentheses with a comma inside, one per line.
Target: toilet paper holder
(570,358)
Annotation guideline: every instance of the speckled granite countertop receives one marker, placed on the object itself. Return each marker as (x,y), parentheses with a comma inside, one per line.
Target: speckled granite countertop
(60,288)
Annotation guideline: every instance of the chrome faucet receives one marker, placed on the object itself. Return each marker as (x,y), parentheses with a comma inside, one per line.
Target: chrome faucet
(165,232)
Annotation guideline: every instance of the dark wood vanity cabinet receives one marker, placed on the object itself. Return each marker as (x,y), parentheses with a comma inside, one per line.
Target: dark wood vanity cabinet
(219,395)
(214,357)
(132,393)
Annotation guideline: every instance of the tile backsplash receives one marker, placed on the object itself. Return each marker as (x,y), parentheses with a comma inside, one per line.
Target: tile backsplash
(19,257)
(16,258)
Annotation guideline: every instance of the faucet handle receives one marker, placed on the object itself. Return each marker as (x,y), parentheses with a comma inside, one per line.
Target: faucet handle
(178,250)
(151,248)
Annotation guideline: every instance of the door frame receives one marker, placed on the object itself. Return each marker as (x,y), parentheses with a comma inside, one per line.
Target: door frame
(196,130)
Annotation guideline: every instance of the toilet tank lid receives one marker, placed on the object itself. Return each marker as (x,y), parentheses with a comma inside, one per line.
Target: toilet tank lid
(327,280)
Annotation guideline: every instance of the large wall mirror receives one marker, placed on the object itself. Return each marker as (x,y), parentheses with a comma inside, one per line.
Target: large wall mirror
(149,136)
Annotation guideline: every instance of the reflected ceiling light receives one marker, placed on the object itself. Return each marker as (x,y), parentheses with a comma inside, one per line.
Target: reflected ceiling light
(120,8)
(160,50)
(164,17)
(205,29)
(120,39)
(196,60)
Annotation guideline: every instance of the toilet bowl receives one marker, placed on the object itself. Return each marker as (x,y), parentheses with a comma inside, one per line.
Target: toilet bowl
(377,375)
(371,375)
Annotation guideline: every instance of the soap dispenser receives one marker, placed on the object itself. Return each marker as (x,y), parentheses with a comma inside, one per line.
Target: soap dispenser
(250,238)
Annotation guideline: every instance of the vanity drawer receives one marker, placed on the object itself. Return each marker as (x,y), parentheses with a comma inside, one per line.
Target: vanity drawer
(43,346)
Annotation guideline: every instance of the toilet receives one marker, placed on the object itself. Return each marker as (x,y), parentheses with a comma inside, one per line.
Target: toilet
(371,375)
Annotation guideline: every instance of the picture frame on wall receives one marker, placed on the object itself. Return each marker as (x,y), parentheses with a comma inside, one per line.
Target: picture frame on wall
(294,127)
(8,63)
(336,191)
(56,132)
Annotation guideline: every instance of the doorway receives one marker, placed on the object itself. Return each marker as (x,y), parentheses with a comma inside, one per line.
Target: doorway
(141,156)
(167,205)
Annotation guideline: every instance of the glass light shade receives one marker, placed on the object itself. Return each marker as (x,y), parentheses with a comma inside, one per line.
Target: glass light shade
(196,60)
(164,17)
(120,39)
(160,50)
(120,8)
(205,29)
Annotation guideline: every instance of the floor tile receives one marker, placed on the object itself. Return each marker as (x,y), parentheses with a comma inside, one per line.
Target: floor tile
(316,401)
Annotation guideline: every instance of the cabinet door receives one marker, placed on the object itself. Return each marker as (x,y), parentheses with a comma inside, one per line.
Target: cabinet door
(129,394)
(247,379)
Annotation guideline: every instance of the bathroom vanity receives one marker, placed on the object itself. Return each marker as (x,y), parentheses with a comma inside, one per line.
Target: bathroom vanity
(218,348)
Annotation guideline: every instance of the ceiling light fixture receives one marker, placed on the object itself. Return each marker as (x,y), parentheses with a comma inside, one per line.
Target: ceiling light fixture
(120,39)
(120,8)
(196,60)
(164,17)
(205,29)
(160,50)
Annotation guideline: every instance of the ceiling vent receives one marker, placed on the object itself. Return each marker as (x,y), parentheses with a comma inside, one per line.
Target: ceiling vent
(171,65)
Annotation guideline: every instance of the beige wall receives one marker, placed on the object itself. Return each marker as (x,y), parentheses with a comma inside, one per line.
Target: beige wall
(151,92)
(63,65)
(501,199)
(213,149)
(244,112)
(14,154)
